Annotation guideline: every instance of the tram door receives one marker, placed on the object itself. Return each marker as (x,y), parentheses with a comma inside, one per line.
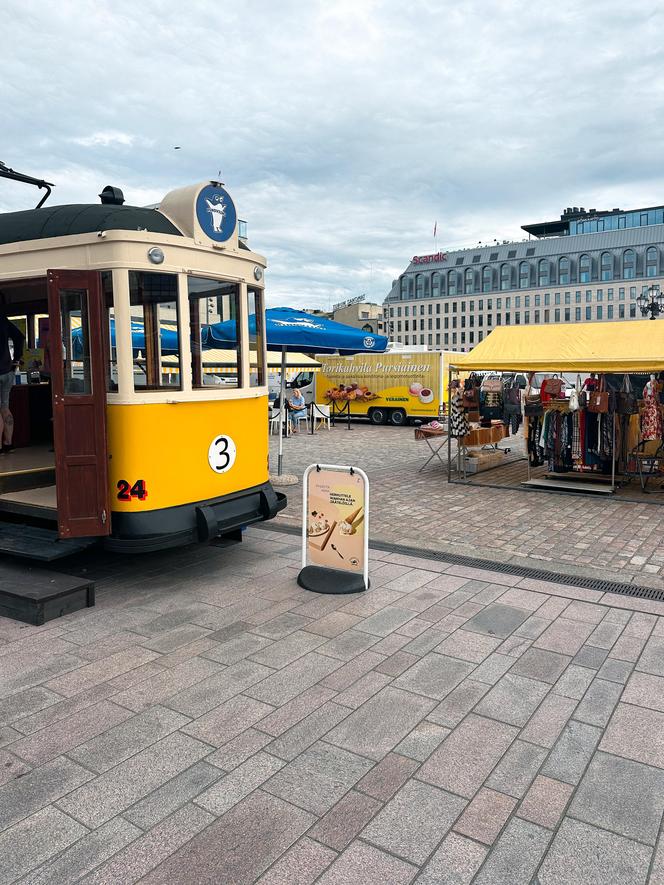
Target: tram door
(79,403)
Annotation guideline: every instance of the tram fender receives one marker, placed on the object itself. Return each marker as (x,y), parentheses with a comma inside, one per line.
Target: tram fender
(206,523)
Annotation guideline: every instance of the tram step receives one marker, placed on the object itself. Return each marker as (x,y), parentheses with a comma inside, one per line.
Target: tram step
(35,595)
(38,543)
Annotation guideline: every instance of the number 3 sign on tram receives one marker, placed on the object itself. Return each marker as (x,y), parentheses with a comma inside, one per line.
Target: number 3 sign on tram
(221,454)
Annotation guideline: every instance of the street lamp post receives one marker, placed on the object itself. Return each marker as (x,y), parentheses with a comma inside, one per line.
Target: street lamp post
(651,302)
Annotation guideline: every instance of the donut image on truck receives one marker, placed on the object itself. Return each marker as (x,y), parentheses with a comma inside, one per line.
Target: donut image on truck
(387,388)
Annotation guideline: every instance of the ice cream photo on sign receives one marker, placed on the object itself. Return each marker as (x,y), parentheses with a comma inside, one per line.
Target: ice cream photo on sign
(336,520)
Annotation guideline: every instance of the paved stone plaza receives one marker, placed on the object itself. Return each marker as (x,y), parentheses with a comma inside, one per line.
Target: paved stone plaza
(608,537)
(211,722)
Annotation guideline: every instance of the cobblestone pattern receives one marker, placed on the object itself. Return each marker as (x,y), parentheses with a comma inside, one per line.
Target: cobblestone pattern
(611,538)
(211,722)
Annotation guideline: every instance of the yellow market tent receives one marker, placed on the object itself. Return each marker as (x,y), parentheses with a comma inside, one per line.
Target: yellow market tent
(634,346)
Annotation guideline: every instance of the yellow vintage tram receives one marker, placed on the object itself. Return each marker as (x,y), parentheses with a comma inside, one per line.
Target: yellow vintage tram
(124,433)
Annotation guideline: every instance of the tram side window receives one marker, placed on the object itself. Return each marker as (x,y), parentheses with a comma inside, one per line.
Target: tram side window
(110,349)
(256,338)
(215,303)
(155,330)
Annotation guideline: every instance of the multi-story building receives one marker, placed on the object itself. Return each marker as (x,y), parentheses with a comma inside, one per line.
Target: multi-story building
(362,315)
(588,266)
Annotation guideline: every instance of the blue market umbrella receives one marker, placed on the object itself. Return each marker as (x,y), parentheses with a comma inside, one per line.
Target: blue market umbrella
(168,339)
(291,330)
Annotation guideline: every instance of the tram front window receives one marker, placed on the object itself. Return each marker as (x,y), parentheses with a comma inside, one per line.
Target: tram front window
(213,302)
(256,338)
(155,330)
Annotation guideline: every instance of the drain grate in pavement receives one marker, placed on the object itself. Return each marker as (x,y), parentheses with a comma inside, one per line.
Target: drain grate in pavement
(521,571)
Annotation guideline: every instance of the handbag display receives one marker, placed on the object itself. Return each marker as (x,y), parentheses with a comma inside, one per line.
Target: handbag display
(512,400)
(492,385)
(598,400)
(470,398)
(626,400)
(552,388)
(533,405)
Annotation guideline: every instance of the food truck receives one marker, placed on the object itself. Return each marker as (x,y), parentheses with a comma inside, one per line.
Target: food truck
(387,388)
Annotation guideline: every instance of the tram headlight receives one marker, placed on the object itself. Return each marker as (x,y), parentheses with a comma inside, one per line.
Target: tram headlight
(156,255)
(258,273)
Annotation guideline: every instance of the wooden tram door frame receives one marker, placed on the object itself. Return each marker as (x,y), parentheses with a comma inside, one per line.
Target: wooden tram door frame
(79,417)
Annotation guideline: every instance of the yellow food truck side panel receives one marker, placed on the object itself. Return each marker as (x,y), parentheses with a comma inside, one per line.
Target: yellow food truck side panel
(389,380)
(166,445)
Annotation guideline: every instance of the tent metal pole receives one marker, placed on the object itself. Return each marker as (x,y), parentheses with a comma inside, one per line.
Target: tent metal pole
(613,455)
(449,423)
(282,411)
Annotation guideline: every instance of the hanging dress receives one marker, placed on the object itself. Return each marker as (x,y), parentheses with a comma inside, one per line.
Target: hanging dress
(459,426)
(651,419)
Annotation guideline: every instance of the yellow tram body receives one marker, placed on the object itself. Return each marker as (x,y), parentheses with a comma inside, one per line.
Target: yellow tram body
(150,450)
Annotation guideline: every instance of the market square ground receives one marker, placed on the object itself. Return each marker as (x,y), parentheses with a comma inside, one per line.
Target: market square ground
(210,721)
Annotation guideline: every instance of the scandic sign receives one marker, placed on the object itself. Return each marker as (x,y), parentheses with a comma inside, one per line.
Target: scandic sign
(429,259)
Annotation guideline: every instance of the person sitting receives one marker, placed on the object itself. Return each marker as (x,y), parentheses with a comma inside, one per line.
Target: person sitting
(296,408)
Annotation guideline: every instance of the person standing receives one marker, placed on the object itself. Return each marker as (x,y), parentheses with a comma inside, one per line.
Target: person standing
(8,363)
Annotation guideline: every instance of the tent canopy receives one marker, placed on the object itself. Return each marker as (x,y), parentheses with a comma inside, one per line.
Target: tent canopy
(634,346)
(300,332)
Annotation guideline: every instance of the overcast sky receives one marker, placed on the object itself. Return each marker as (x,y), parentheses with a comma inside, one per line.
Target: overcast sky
(343,129)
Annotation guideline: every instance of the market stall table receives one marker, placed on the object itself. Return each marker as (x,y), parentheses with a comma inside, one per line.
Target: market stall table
(428,434)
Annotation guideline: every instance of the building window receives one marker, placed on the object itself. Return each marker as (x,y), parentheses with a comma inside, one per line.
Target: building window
(629,264)
(517,318)
(557,298)
(505,277)
(563,271)
(547,316)
(599,312)
(538,300)
(589,312)
(568,299)
(543,272)
(451,282)
(419,286)
(589,295)
(651,262)
(599,295)
(524,275)
(526,300)
(567,314)
(556,315)
(632,293)
(537,316)
(498,319)
(621,294)
(584,269)
(621,311)
(609,294)
(404,287)
(486,279)
(154,305)
(435,285)
(507,319)
(606,266)
(489,320)
(632,311)
(468,281)
(547,298)
(577,314)
(446,339)
(577,297)
(526,317)
(499,303)
(609,311)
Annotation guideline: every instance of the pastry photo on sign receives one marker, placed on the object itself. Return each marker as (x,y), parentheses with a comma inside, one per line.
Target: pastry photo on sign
(336,520)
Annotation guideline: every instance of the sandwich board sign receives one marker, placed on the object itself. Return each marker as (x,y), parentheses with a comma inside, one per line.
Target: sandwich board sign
(335,529)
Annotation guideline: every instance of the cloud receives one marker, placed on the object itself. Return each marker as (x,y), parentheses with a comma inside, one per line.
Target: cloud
(345,129)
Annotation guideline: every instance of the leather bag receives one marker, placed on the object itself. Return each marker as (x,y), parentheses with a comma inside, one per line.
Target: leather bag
(626,400)
(598,400)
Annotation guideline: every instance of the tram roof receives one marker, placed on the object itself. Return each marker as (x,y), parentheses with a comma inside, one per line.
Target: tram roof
(80,218)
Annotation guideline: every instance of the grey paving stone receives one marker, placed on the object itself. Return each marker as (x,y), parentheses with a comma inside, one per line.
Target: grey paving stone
(386,621)
(227,720)
(300,865)
(517,769)
(458,703)
(115,790)
(385,719)
(583,855)
(138,859)
(537,663)
(290,648)
(368,865)
(485,816)
(652,657)
(414,821)
(160,687)
(616,671)
(211,692)
(343,822)
(286,684)
(491,670)
(533,627)
(238,750)
(308,731)
(65,708)
(348,645)
(585,611)
(360,692)
(498,620)
(545,802)
(468,755)
(234,787)
(574,682)
(598,702)
(434,676)
(468,646)
(174,639)
(572,752)
(397,663)
(422,740)
(605,635)
(333,624)
(22,797)
(515,856)
(645,690)
(384,779)
(148,812)
(620,795)
(454,863)
(513,699)
(24,703)
(318,778)
(237,648)
(83,856)
(628,648)
(294,711)
(636,733)
(347,675)
(426,642)
(229,632)
(83,678)
(564,636)
(590,656)
(34,840)
(128,738)
(514,646)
